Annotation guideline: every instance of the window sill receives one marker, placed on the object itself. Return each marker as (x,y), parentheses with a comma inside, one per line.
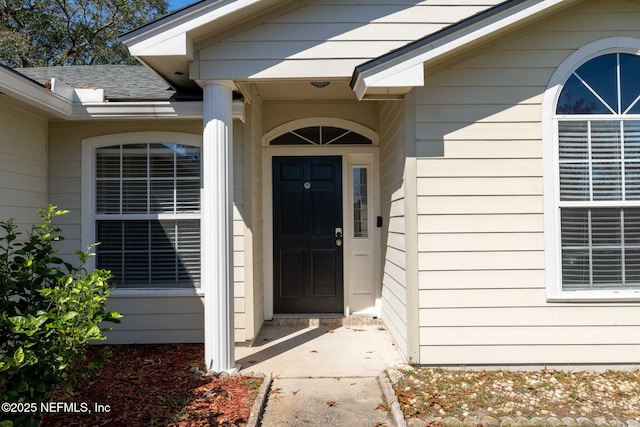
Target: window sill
(152,293)
(595,296)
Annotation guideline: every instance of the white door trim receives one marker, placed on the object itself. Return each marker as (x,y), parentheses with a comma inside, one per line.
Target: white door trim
(348,153)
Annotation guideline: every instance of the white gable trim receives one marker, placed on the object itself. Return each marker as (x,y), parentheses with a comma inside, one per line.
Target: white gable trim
(400,65)
(169,36)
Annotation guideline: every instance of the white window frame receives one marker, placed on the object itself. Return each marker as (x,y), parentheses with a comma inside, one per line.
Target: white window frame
(88,193)
(553,255)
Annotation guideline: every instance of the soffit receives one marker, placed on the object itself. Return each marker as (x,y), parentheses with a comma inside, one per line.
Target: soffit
(305,89)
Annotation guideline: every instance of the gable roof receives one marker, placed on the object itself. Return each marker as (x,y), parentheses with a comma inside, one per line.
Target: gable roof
(166,44)
(403,68)
(119,82)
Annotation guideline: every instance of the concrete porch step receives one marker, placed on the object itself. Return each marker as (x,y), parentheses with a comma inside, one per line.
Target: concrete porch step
(318,320)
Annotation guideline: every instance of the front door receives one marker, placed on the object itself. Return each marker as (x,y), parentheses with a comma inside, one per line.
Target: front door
(307,235)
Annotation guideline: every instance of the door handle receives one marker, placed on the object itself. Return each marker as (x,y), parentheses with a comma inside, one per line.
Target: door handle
(338,242)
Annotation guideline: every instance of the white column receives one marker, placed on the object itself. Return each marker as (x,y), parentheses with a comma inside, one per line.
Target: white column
(217,226)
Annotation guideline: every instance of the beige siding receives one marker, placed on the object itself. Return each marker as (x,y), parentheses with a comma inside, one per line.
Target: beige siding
(326,37)
(256,233)
(277,113)
(239,214)
(146,318)
(157,320)
(392,188)
(480,203)
(23,165)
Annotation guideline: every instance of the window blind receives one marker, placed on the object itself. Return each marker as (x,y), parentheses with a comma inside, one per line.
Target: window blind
(141,189)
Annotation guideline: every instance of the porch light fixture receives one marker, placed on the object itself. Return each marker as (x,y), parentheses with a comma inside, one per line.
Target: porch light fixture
(320,85)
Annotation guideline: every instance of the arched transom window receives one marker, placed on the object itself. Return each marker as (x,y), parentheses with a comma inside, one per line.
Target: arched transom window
(598,168)
(321,135)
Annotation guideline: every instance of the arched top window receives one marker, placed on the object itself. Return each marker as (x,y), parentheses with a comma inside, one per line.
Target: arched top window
(593,186)
(321,135)
(607,84)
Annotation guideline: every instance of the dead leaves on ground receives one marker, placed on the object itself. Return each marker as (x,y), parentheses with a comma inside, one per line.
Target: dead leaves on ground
(152,385)
(383,407)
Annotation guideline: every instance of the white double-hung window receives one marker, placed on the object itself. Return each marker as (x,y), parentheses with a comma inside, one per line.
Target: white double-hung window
(145,206)
(596,207)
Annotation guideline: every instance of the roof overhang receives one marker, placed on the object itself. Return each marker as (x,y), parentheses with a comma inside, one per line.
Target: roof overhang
(167,44)
(65,102)
(32,93)
(397,72)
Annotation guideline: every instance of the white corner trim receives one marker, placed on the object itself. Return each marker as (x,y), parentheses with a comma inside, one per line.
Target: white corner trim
(377,76)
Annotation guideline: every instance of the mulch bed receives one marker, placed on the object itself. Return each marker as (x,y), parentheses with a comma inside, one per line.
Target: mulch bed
(153,385)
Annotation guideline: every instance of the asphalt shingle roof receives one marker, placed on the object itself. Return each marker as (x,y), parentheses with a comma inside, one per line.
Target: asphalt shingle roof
(120,82)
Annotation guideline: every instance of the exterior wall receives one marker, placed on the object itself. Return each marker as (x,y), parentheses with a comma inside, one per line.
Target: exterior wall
(23,165)
(277,113)
(254,235)
(392,195)
(242,299)
(326,37)
(147,319)
(480,203)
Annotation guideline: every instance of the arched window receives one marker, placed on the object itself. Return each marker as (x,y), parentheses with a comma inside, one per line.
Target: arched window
(597,191)
(321,135)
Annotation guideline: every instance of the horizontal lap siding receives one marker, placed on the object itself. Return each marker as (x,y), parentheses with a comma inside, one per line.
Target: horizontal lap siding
(156,320)
(23,165)
(255,237)
(239,271)
(394,277)
(326,37)
(481,242)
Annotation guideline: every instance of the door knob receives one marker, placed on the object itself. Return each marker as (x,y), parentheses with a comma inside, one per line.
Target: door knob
(338,242)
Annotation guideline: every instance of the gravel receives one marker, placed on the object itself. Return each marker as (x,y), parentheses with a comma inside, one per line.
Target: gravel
(527,397)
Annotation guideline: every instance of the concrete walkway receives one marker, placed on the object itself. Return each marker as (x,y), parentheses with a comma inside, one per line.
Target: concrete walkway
(325,374)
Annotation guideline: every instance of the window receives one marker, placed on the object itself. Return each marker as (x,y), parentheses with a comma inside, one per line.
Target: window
(146,213)
(597,193)
(360,205)
(320,135)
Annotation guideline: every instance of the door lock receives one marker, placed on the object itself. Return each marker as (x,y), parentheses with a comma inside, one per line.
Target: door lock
(338,232)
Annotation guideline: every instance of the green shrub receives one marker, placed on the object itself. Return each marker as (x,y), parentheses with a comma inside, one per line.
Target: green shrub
(49,311)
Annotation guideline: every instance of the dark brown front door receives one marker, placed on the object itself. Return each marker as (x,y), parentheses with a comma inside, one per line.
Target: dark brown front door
(307,251)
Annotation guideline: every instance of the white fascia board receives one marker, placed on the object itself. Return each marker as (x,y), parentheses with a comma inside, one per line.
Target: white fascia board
(19,87)
(153,109)
(179,45)
(402,65)
(170,37)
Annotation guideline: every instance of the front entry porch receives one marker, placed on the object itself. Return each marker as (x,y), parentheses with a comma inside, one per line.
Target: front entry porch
(321,347)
